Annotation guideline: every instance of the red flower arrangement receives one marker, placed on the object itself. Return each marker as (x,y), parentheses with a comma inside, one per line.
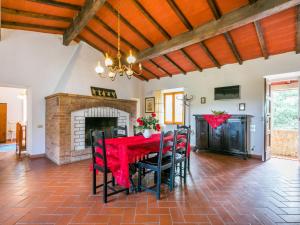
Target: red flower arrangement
(148,122)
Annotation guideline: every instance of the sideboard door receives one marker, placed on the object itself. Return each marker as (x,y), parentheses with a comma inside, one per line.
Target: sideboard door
(235,135)
(201,133)
(216,138)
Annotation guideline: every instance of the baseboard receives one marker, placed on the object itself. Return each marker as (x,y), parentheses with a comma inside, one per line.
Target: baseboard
(37,156)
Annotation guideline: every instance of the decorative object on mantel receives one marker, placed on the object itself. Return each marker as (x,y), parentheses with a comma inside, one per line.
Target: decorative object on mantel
(150,105)
(116,65)
(242,106)
(147,124)
(103,92)
(203,100)
(217,118)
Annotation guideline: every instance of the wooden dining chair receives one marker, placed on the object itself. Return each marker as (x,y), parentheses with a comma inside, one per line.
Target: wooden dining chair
(187,128)
(182,142)
(20,139)
(119,131)
(158,164)
(98,140)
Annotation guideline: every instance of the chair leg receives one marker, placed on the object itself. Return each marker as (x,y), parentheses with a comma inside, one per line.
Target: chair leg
(180,170)
(105,187)
(139,179)
(158,183)
(113,181)
(172,177)
(185,170)
(189,162)
(94,181)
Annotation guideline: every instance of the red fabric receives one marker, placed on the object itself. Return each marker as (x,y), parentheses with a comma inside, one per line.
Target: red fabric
(123,151)
(216,120)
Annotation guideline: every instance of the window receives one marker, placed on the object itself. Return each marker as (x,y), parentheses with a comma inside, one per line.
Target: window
(173,108)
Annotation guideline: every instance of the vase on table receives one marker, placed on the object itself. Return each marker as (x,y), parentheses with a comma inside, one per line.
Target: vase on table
(147,133)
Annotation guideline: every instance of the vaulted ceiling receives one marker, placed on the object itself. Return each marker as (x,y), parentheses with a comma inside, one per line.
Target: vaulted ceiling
(169,37)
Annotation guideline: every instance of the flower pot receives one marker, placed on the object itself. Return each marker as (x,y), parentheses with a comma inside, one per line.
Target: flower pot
(147,133)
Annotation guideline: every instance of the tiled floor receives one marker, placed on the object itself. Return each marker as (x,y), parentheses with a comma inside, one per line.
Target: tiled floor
(220,190)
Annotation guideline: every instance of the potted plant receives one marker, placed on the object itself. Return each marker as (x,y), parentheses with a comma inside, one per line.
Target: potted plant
(147,124)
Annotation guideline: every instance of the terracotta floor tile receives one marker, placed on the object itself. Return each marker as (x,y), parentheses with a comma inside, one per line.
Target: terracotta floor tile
(220,190)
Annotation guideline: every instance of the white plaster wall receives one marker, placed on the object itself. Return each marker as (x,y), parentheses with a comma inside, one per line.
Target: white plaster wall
(249,76)
(40,63)
(14,108)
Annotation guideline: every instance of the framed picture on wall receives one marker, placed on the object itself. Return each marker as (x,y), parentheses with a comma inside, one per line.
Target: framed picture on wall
(242,106)
(150,105)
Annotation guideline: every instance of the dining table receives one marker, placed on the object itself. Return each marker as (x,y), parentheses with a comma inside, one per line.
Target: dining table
(125,151)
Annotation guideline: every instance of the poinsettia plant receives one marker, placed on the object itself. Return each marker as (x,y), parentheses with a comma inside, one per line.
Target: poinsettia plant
(148,122)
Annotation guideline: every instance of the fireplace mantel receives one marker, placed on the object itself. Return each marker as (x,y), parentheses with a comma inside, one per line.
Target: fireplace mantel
(59,108)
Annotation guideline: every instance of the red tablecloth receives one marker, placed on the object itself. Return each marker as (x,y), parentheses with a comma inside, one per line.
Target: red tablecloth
(123,151)
(216,120)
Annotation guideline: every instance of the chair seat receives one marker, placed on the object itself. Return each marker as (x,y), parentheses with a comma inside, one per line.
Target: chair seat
(165,160)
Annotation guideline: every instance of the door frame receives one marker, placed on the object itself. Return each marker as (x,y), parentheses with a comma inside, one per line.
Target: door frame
(267,114)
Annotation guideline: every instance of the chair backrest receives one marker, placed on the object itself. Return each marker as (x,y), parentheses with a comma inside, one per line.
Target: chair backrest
(183,127)
(119,131)
(166,142)
(182,140)
(136,132)
(98,140)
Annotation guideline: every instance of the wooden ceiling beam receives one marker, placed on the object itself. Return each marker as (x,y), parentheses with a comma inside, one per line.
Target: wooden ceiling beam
(252,1)
(160,29)
(151,19)
(35,15)
(230,21)
(180,14)
(261,39)
(169,60)
(188,26)
(141,77)
(58,4)
(12,25)
(134,29)
(160,67)
(217,14)
(87,12)
(114,33)
(125,21)
(209,54)
(191,60)
(152,74)
(298,31)
(233,48)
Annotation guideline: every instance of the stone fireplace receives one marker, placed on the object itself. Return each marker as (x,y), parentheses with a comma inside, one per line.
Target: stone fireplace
(69,117)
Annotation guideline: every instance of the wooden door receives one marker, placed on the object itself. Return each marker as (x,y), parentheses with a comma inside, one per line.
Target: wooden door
(267,121)
(3,122)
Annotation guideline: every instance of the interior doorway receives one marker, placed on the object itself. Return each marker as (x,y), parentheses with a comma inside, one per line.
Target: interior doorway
(13,121)
(282,118)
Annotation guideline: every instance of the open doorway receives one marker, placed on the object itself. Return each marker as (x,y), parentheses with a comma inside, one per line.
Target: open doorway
(284,129)
(281,118)
(13,121)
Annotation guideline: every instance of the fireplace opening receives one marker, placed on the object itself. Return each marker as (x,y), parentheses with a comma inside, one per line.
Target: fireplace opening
(99,123)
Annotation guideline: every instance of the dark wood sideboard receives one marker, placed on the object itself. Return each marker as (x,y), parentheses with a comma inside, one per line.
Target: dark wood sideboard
(232,137)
